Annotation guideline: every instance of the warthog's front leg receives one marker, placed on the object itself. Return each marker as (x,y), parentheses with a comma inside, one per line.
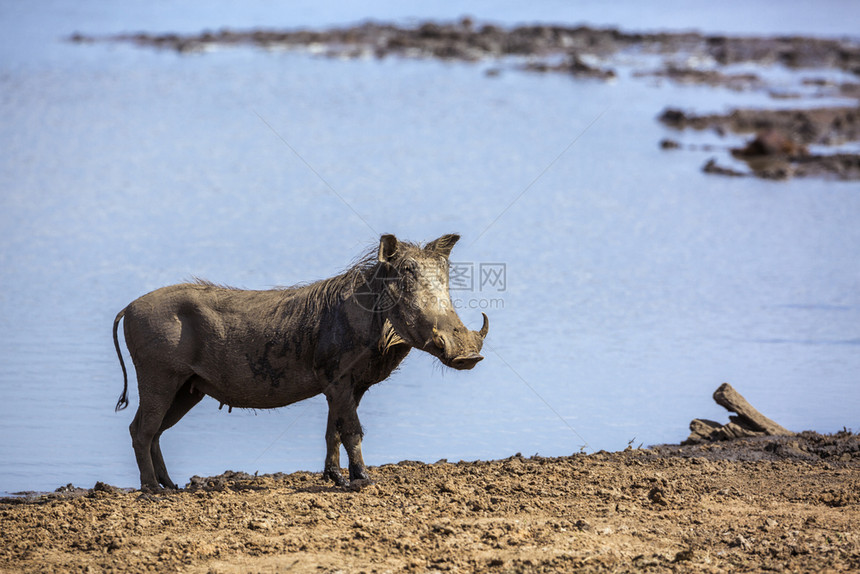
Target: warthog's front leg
(343,427)
(331,470)
(357,470)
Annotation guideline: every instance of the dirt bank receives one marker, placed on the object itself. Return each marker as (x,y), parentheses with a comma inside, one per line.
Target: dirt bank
(781,504)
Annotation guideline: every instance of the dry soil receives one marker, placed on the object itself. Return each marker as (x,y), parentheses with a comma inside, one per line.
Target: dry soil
(780,504)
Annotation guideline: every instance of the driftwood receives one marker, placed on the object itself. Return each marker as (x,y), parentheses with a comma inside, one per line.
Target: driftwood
(746,423)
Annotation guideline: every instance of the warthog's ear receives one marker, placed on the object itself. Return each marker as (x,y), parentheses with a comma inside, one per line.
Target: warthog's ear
(387,247)
(444,244)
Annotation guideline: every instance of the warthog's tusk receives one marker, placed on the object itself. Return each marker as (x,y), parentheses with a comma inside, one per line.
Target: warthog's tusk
(437,339)
(485,328)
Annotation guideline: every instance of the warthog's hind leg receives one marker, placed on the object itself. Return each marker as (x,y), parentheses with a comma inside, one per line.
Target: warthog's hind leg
(156,400)
(187,397)
(158,464)
(143,429)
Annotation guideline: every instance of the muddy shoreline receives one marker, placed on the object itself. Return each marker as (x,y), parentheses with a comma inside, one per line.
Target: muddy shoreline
(764,503)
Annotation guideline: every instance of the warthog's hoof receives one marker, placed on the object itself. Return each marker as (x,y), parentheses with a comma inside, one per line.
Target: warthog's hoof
(357,472)
(335,476)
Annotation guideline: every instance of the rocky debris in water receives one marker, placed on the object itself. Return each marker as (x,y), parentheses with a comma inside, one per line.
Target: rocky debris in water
(821,126)
(771,154)
(779,148)
(845,167)
(711,166)
(842,166)
(676,118)
(686,75)
(450,41)
(688,58)
(575,66)
(771,143)
(466,40)
(748,421)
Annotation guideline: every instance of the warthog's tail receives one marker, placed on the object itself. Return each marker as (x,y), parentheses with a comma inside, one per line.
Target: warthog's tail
(123,398)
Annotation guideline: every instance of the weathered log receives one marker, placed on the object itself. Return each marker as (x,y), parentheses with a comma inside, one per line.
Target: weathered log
(748,417)
(747,422)
(734,429)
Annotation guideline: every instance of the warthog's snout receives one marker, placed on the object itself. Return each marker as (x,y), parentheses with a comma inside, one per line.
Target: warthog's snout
(459,350)
(465,362)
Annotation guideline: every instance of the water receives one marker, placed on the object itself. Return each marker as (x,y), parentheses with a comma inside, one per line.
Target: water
(635,284)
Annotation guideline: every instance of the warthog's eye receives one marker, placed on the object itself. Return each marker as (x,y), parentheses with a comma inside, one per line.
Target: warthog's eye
(409,274)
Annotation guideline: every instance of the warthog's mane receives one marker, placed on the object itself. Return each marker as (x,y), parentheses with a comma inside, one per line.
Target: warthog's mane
(325,293)
(334,289)
(206,283)
(309,300)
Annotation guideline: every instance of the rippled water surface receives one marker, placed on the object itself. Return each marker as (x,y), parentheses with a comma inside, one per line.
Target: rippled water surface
(634,283)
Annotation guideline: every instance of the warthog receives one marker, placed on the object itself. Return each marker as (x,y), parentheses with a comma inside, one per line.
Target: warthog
(268,349)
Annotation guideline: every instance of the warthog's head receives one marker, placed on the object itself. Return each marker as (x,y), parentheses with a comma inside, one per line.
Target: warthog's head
(419,305)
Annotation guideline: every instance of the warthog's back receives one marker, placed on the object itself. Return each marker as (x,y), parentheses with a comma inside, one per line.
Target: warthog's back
(248,348)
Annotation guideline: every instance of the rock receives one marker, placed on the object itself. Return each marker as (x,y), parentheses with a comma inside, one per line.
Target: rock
(103,487)
(259,524)
(702,430)
(712,167)
(771,143)
(674,118)
(656,495)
